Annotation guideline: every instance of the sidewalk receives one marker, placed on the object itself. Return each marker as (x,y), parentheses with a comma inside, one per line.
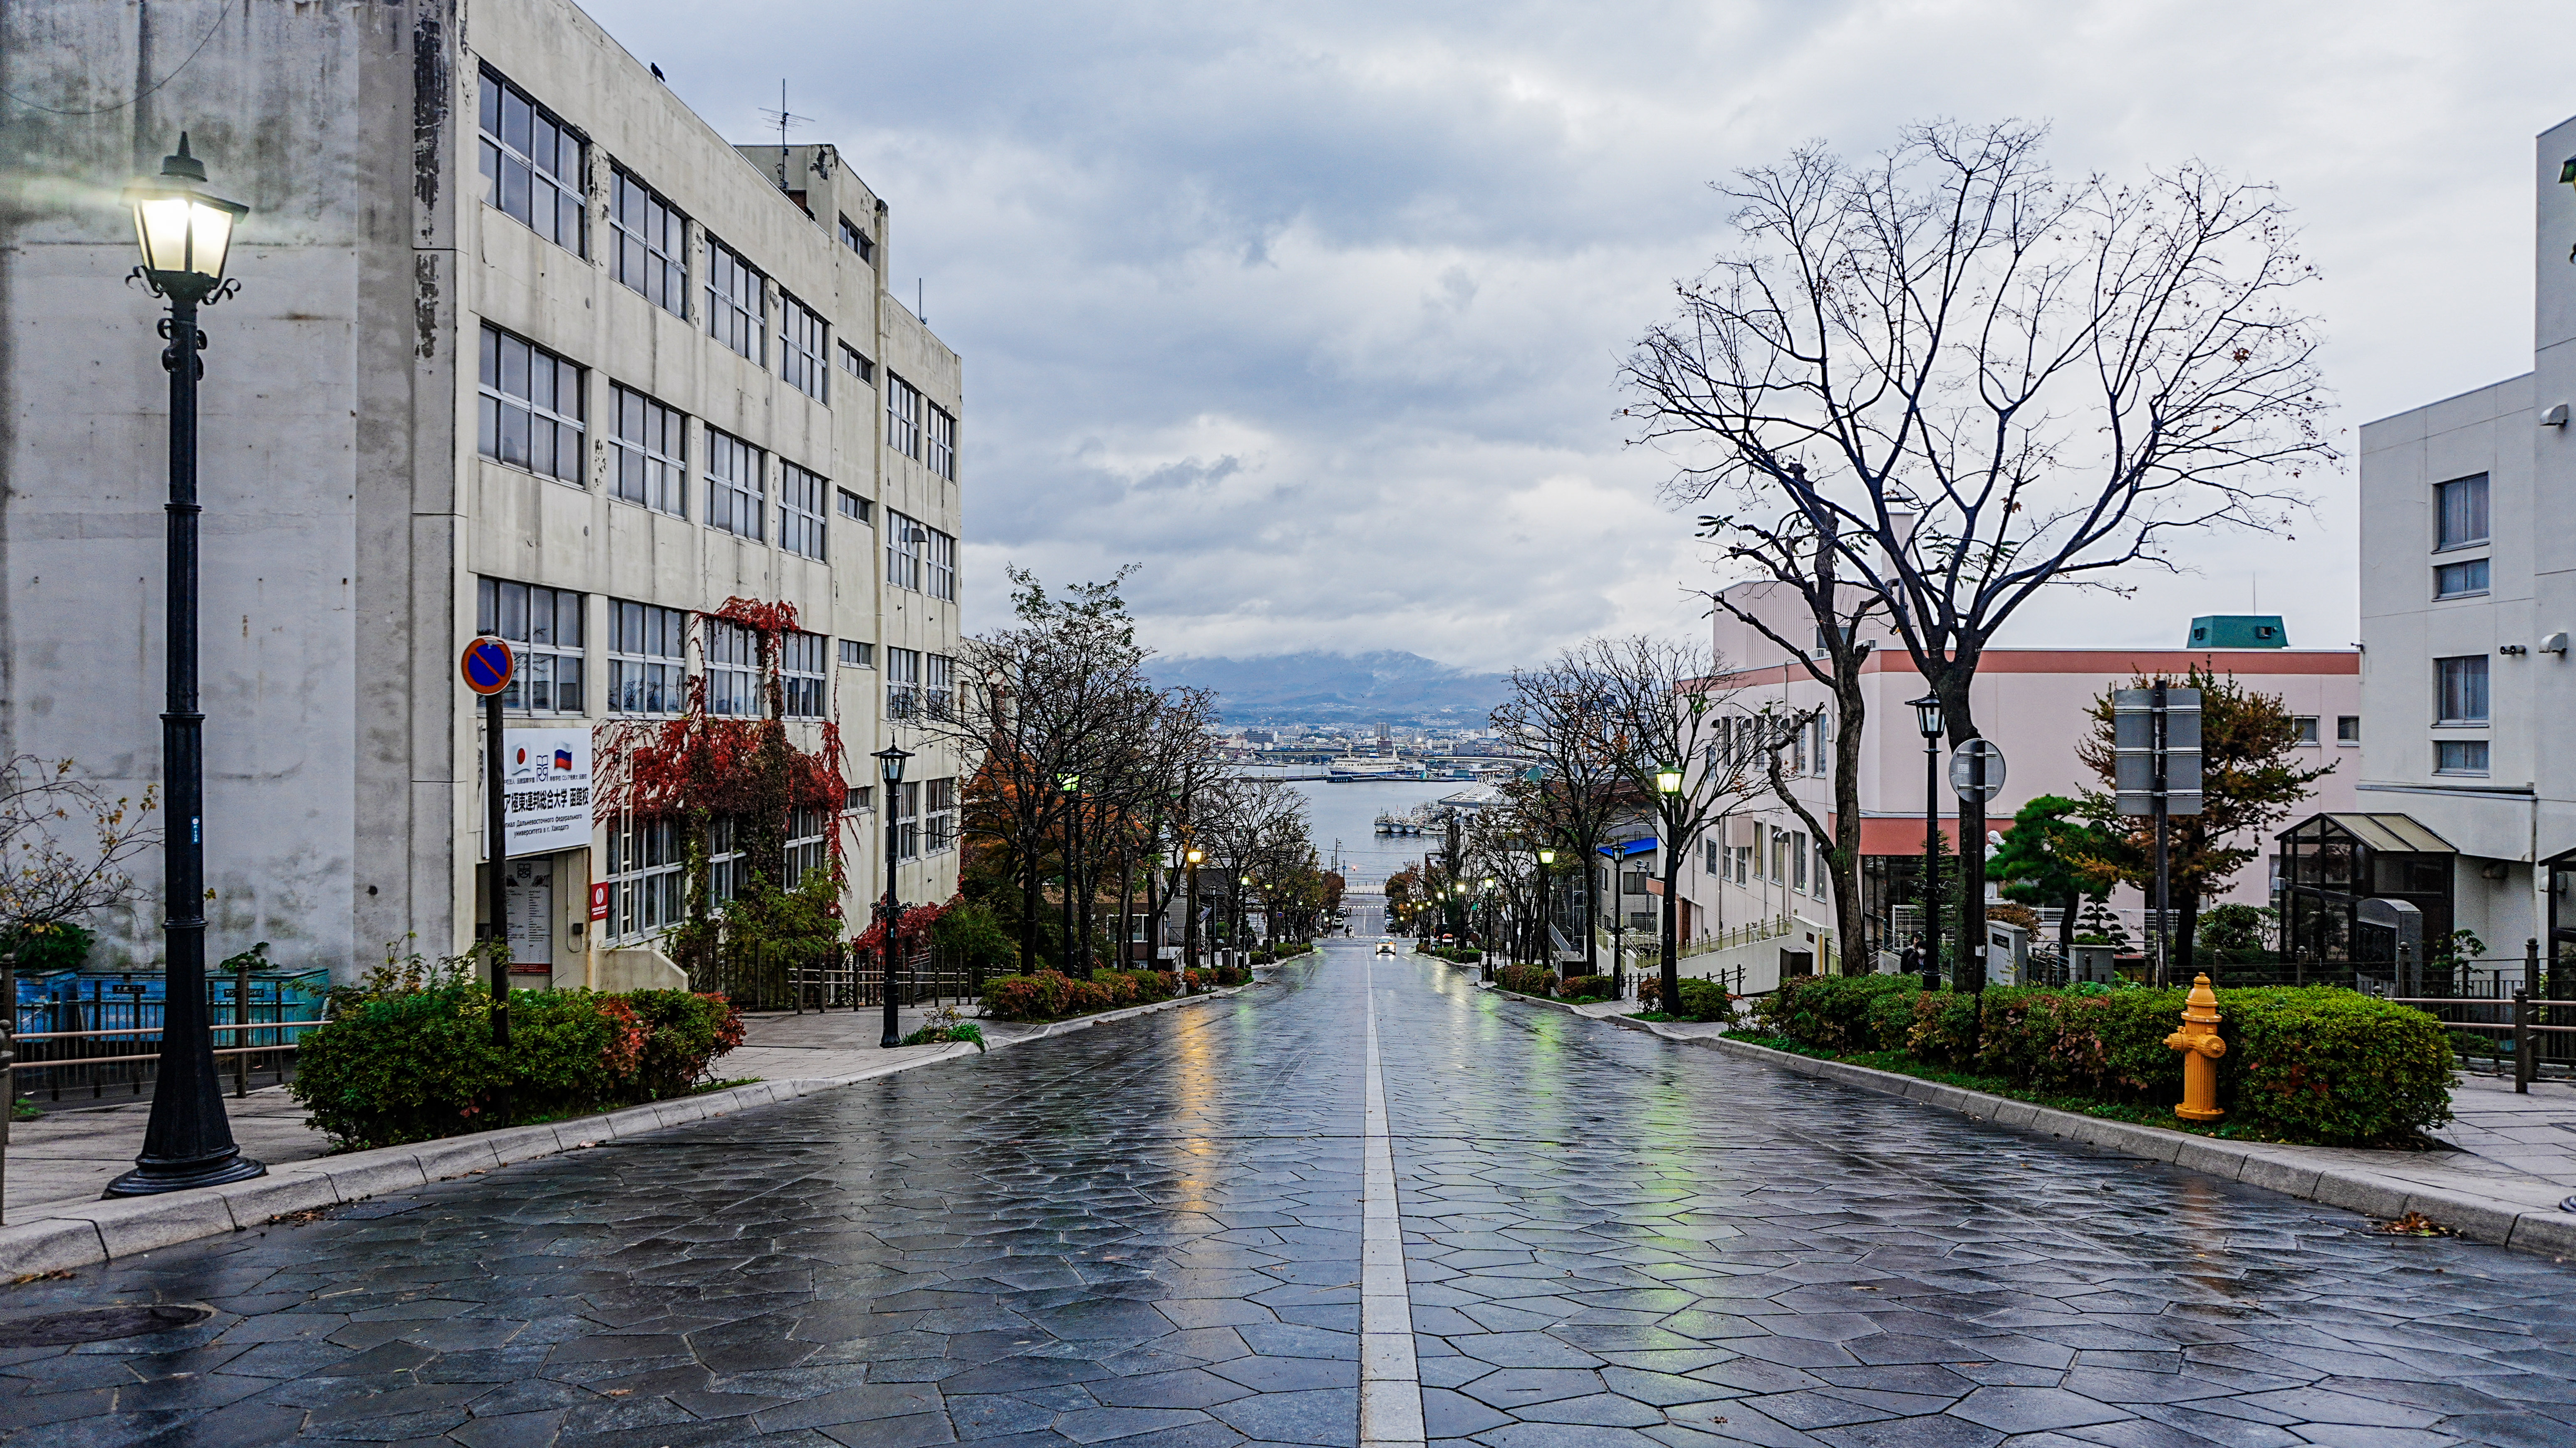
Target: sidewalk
(72,1153)
(2511,1158)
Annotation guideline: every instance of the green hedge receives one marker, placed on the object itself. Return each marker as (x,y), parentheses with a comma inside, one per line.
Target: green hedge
(2311,1064)
(1702,1000)
(416,1065)
(1047,995)
(1581,987)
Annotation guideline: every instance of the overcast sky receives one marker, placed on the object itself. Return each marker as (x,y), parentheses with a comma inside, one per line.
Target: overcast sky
(1316,310)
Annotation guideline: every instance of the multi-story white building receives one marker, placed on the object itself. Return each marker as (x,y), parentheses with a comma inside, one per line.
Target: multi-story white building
(1756,887)
(2468,596)
(522,345)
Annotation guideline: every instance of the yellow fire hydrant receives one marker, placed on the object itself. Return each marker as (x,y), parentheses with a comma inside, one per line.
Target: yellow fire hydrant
(2198,1039)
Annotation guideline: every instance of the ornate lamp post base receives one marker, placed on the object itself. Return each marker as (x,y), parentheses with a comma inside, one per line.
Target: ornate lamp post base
(152,1176)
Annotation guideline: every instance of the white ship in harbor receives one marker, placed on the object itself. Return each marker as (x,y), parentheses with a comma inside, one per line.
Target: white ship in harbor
(1354,766)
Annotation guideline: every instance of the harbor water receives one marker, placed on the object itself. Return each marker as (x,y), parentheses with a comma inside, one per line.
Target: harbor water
(1348,813)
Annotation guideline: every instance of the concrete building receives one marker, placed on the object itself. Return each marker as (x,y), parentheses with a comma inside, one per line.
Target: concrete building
(1756,889)
(522,344)
(2468,594)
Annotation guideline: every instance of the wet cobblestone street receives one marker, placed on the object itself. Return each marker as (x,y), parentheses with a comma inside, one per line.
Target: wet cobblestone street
(1149,1234)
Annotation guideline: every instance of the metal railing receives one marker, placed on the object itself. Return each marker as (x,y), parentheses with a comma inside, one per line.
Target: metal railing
(759,977)
(77,1035)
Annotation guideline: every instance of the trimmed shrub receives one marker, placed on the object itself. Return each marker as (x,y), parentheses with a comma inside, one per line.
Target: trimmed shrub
(1586,987)
(1047,995)
(1535,980)
(1702,1000)
(1841,1012)
(417,1065)
(2313,1064)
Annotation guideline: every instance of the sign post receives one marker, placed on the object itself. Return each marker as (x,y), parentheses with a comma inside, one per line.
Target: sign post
(487,665)
(2155,738)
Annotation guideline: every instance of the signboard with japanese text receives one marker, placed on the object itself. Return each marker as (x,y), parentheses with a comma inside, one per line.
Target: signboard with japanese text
(545,789)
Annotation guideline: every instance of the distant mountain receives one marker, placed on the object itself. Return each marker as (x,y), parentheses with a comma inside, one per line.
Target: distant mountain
(1386,686)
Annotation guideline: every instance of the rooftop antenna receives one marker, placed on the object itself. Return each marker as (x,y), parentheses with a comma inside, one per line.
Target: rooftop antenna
(918,290)
(782,118)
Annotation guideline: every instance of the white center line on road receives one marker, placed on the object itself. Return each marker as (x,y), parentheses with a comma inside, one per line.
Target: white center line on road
(1390,1380)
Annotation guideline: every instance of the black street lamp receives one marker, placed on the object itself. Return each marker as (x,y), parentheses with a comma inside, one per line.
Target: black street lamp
(184,232)
(1668,964)
(1927,718)
(1192,858)
(890,768)
(1077,922)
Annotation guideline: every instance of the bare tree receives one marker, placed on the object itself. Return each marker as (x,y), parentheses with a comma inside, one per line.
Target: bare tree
(1792,554)
(1667,709)
(64,845)
(1978,381)
(1558,714)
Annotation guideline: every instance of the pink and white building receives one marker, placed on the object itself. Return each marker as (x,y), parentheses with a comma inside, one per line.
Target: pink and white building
(1755,890)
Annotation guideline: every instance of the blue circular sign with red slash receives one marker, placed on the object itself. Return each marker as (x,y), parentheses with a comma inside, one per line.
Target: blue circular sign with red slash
(486,665)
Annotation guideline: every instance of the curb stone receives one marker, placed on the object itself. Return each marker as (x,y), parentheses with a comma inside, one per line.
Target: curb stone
(85,1234)
(2273,1168)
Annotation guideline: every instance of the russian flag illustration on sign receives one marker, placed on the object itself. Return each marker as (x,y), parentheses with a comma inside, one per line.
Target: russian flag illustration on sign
(563,759)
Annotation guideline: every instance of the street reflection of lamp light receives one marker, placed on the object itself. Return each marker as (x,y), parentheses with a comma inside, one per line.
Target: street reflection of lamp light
(1927,720)
(184,233)
(890,762)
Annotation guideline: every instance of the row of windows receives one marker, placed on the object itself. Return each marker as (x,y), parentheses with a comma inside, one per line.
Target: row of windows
(910,418)
(535,169)
(532,417)
(920,558)
(646,865)
(648,671)
(1783,857)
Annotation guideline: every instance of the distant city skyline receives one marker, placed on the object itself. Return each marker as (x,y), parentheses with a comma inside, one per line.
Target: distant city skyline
(1317,312)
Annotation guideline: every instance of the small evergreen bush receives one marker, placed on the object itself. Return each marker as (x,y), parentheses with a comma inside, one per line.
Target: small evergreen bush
(1535,980)
(418,1063)
(2314,1064)
(1048,995)
(44,949)
(1586,987)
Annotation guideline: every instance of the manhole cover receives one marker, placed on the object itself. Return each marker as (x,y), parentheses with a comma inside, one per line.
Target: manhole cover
(98,1324)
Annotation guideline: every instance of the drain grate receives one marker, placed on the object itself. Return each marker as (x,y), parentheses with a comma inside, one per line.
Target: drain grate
(99,1324)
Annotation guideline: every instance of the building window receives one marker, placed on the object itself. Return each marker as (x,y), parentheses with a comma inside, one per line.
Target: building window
(858,241)
(801,349)
(809,843)
(939,813)
(531,407)
(858,798)
(943,442)
(1712,860)
(857,365)
(858,655)
(543,626)
(645,890)
(532,164)
(2303,730)
(724,859)
(733,669)
(800,510)
(1743,864)
(734,495)
(855,507)
(907,819)
(902,682)
(737,312)
(648,671)
(2347,729)
(652,453)
(652,242)
(903,417)
(2459,756)
(2460,512)
(1823,876)
(1798,862)
(939,554)
(2461,690)
(903,540)
(802,663)
(939,685)
(2460,580)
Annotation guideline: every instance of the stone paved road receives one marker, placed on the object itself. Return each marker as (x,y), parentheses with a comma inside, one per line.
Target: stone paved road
(1149,1235)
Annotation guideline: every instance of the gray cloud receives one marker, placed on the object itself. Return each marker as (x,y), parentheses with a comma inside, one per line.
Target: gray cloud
(1317,310)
